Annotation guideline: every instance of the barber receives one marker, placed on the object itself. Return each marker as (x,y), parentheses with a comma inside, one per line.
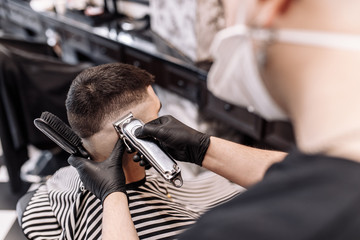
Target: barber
(312,71)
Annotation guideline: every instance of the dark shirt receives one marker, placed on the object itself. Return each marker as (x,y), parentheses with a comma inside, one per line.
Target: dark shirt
(303,197)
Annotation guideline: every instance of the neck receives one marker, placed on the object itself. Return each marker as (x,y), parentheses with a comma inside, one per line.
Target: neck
(332,139)
(328,120)
(133,172)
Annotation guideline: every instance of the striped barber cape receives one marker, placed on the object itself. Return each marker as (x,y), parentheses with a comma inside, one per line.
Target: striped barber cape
(62,209)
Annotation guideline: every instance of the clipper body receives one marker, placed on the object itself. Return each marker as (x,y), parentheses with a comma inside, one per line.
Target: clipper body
(158,159)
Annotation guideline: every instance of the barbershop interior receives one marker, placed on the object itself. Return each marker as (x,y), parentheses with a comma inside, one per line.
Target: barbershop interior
(179,119)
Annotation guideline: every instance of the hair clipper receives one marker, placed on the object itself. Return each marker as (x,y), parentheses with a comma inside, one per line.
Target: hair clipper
(157,158)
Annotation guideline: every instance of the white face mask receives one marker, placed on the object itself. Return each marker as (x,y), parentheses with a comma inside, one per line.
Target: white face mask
(235,76)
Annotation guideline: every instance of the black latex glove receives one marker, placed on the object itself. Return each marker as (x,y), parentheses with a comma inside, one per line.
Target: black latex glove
(102,178)
(138,157)
(180,141)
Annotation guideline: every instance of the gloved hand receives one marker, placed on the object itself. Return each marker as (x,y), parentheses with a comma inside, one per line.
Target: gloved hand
(138,157)
(180,141)
(102,178)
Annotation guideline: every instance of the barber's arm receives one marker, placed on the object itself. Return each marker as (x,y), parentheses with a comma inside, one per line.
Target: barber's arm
(117,222)
(107,181)
(238,163)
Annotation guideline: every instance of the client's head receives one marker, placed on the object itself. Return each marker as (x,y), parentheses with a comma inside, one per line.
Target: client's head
(101,95)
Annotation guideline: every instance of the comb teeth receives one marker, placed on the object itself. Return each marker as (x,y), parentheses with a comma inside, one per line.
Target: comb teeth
(61,128)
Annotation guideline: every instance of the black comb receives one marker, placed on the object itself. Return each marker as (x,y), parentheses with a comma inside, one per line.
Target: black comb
(59,132)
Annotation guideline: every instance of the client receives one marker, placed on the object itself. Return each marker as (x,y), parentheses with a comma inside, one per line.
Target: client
(62,208)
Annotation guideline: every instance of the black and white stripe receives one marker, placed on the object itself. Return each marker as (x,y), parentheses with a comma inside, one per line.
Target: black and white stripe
(158,210)
(38,220)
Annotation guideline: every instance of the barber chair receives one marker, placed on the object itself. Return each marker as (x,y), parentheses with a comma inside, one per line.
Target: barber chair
(32,80)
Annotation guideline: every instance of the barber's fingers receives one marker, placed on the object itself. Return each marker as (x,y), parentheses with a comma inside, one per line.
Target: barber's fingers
(117,152)
(143,162)
(152,128)
(81,163)
(78,162)
(139,158)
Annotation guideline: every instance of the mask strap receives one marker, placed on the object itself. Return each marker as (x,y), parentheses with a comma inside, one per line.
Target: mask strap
(310,38)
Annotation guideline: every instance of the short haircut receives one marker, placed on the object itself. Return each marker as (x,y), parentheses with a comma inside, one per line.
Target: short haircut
(98,92)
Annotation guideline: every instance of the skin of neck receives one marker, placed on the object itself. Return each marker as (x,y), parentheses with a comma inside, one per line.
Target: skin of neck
(317,87)
(324,115)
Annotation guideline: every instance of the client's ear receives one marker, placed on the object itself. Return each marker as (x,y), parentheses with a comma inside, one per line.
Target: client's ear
(267,11)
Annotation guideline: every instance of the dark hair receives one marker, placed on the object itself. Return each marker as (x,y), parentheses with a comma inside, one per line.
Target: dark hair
(100,91)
